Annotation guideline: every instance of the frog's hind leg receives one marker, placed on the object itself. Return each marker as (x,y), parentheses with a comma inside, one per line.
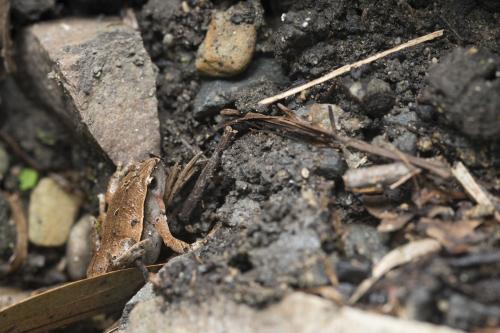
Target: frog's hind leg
(133,253)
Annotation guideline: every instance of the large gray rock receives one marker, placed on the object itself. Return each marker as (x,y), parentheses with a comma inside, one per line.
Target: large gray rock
(96,75)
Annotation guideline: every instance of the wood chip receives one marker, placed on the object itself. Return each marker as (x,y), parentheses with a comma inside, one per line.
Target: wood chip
(480,195)
(378,176)
(397,257)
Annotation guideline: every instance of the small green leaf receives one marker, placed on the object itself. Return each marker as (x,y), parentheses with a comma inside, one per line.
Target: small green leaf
(27,179)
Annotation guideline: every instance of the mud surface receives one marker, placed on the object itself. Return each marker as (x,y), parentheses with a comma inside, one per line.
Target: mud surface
(276,201)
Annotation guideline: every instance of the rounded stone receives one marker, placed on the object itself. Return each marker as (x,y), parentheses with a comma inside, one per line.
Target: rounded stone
(52,212)
(379,98)
(79,249)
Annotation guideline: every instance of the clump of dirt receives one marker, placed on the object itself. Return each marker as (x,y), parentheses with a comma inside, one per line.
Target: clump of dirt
(268,209)
(464,88)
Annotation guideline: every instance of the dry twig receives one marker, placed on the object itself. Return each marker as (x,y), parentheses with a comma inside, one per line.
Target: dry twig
(480,196)
(19,152)
(376,176)
(6,60)
(347,68)
(206,174)
(178,177)
(303,128)
(20,252)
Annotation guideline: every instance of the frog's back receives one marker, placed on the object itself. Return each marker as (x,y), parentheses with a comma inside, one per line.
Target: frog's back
(124,216)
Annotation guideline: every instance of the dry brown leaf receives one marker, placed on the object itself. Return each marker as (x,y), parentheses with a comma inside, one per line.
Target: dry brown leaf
(394,224)
(399,256)
(72,302)
(454,236)
(435,196)
(9,296)
(391,216)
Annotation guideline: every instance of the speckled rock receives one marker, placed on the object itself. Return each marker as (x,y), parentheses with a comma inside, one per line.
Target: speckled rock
(52,212)
(229,43)
(97,76)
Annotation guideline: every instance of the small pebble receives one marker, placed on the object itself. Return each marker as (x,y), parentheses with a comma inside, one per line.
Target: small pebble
(227,48)
(168,39)
(305,173)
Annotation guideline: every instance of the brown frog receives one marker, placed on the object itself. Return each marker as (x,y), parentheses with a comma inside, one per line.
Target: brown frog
(134,223)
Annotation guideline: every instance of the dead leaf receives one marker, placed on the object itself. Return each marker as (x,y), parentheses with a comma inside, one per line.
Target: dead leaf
(9,296)
(437,196)
(392,217)
(73,301)
(454,236)
(443,211)
(394,224)
(399,256)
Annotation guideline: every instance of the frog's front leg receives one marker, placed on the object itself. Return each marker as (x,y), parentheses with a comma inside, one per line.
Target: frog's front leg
(132,252)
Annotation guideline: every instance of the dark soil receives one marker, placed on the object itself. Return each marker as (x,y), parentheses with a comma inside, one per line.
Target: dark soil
(279,227)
